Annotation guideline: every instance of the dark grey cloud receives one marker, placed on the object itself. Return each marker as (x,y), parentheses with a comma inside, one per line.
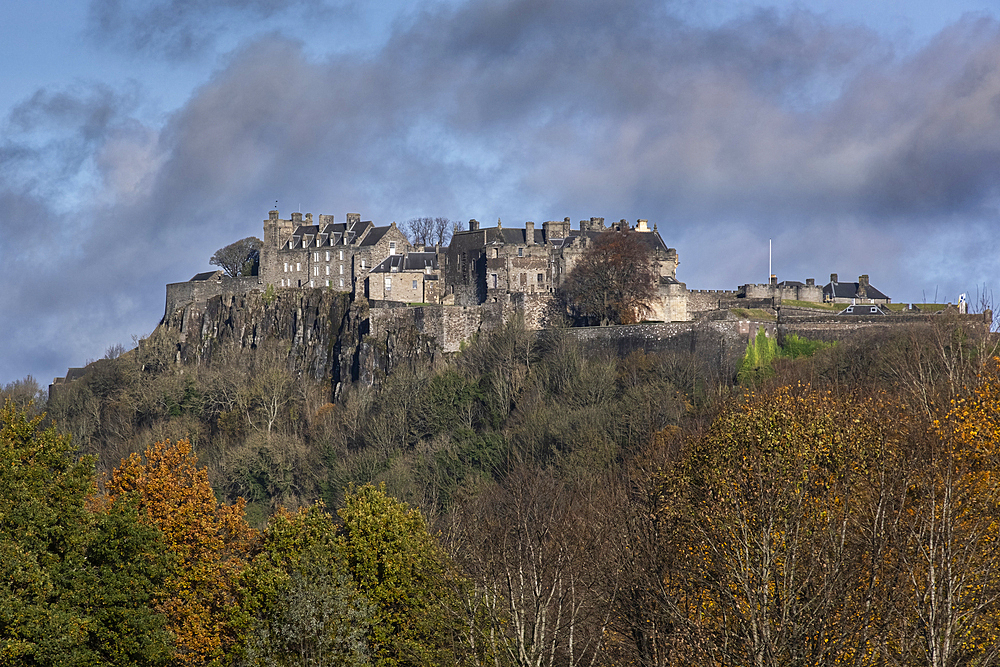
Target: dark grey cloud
(853,156)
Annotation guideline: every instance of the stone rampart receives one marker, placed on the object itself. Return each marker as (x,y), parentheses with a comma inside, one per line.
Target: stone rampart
(180,295)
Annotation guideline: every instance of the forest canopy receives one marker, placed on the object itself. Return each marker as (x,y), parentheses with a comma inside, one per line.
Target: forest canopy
(525,502)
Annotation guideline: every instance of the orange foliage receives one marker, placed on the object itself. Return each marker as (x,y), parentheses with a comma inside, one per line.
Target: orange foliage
(211,542)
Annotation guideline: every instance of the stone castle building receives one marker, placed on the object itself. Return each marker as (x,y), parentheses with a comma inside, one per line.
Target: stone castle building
(502,269)
(339,255)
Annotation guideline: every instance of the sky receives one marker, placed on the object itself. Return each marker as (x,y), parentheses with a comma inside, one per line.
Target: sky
(139,136)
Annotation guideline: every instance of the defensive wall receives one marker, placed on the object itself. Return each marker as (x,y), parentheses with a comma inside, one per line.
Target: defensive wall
(180,295)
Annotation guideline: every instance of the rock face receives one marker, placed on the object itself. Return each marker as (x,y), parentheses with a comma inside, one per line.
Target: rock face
(324,329)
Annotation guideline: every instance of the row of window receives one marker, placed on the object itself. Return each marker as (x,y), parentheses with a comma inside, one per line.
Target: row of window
(340,256)
(540,278)
(288,283)
(298,265)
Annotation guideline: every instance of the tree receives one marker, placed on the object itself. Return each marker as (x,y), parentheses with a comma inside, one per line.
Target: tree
(210,543)
(427,231)
(537,547)
(405,576)
(75,585)
(240,258)
(308,610)
(613,282)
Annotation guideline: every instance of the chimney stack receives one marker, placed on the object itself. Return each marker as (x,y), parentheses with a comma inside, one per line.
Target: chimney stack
(642,226)
(529,233)
(833,278)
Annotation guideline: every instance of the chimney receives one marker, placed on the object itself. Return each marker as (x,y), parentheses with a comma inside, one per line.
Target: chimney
(473,225)
(863,286)
(810,282)
(296,217)
(774,279)
(833,278)
(273,215)
(309,218)
(353,219)
(529,233)
(642,226)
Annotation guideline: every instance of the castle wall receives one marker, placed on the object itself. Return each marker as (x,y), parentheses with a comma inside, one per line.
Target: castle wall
(180,295)
(701,301)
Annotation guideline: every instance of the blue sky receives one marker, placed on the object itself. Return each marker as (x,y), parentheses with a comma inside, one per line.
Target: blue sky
(138,136)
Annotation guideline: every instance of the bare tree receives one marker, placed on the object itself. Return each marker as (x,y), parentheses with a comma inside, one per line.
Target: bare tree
(420,230)
(614,281)
(536,550)
(443,229)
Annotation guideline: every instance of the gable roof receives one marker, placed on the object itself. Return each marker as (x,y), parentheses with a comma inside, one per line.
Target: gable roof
(840,290)
(411,261)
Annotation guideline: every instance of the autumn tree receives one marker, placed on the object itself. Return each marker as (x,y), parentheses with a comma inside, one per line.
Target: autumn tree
(951,552)
(240,258)
(209,542)
(613,282)
(784,516)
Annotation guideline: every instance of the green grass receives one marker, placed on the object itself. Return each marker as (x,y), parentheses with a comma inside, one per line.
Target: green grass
(829,307)
(753,313)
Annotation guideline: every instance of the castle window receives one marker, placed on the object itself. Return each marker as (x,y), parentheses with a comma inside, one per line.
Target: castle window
(341,255)
(414,284)
(327,283)
(327,269)
(493,280)
(341,269)
(328,255)
(392,247)
(341,282)
(298,266)
(520,252)
(286,267)
(541,277)
(315,256)
(496,252)
(362,264)
(310,283)
(388,284)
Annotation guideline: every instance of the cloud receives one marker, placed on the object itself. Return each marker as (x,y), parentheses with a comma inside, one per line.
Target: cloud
(184,30)
(855,157)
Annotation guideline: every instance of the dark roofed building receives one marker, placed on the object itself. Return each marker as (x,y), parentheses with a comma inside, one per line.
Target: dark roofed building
(412,277)
(859,292)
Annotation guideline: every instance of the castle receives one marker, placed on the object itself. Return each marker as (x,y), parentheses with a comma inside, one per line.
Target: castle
(492,270)
(481,264)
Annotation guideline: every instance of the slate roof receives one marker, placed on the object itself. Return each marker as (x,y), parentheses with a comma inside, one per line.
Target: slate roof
(840,290)
(374,236)
(650,239)
(411,261)
(207,275)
